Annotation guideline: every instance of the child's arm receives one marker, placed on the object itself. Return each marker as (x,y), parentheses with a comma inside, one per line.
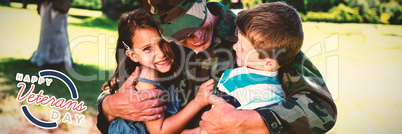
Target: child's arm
(149,74)
(197,130)
(177,122)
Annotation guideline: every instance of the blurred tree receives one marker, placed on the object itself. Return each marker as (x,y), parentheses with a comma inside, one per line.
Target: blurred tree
(363,5)
(302,6)
(321,5)
(236,4)
(227,3)
(25,3)
(114,8)
(367,8)
(247,4)
(391,12)
(54,48)
(5,2)
(339,14)
(87,4)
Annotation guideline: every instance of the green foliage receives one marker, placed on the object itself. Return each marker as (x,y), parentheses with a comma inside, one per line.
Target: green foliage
(87,4)
(341,14)
(371,16)
(129,5)
(394,10)
(301,5)
(97,4)
(303,16)
(367,9)
(247,4)
(227,3)
(131,2)
(342,11)
(102,21)
(298,4)
(320,5)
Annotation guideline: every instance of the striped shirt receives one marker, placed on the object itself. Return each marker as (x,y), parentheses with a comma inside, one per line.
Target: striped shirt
(251,88)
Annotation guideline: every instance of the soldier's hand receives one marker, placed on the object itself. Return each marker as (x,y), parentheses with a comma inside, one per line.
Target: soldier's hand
(224,118)
(134,105)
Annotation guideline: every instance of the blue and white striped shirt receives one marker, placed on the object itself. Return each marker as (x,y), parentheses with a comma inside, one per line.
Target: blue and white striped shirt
(251,88)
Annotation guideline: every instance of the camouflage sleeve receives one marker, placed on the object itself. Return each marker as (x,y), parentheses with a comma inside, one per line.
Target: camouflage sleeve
(308,105)
(298,113)
(102,124)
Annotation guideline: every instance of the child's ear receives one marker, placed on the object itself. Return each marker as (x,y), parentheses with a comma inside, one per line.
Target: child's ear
(131,55)
(270,63)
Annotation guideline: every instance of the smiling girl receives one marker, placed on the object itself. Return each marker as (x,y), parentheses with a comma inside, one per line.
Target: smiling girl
(140,45)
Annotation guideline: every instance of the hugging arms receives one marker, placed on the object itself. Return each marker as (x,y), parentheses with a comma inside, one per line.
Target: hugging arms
(307,107)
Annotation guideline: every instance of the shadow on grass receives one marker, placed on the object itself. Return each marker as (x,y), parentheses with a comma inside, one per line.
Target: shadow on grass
(79,16)
(88,91)
(395,35)
(99,22)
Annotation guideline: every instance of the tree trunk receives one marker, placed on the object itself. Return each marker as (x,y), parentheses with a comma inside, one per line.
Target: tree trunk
(53,48)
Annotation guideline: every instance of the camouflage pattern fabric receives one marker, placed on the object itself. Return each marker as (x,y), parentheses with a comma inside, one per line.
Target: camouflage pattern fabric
(176,19)
(102,123)
(308,106)
(210,63)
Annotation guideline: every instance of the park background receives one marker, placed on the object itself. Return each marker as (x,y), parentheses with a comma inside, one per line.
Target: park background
(356,45)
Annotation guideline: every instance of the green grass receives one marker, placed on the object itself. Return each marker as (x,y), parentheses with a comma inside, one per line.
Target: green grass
(365,78)
(92,36)
(20,36)
(87,30)
(88,21)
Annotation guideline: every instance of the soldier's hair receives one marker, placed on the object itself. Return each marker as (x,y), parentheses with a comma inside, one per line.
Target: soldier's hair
(274,29)
(127,26)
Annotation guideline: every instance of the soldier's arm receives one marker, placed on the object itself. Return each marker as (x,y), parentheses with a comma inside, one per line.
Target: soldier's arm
(103,123)
(302,112)
(308,106)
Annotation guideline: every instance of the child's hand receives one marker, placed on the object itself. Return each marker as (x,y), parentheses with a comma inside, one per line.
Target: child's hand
(204,92)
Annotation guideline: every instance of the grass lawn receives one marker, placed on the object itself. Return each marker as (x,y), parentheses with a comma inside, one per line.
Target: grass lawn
(87,30)
(361,64)
(363,73)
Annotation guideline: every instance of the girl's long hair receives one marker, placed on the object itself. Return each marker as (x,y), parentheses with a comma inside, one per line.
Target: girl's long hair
(128,23)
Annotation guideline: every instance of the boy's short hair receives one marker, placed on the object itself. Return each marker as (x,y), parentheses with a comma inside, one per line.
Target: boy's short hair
(274,29)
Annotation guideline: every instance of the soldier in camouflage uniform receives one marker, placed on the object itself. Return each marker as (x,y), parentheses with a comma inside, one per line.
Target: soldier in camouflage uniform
(308,106)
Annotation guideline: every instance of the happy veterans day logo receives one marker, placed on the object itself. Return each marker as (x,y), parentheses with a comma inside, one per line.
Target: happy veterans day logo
(44,100)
